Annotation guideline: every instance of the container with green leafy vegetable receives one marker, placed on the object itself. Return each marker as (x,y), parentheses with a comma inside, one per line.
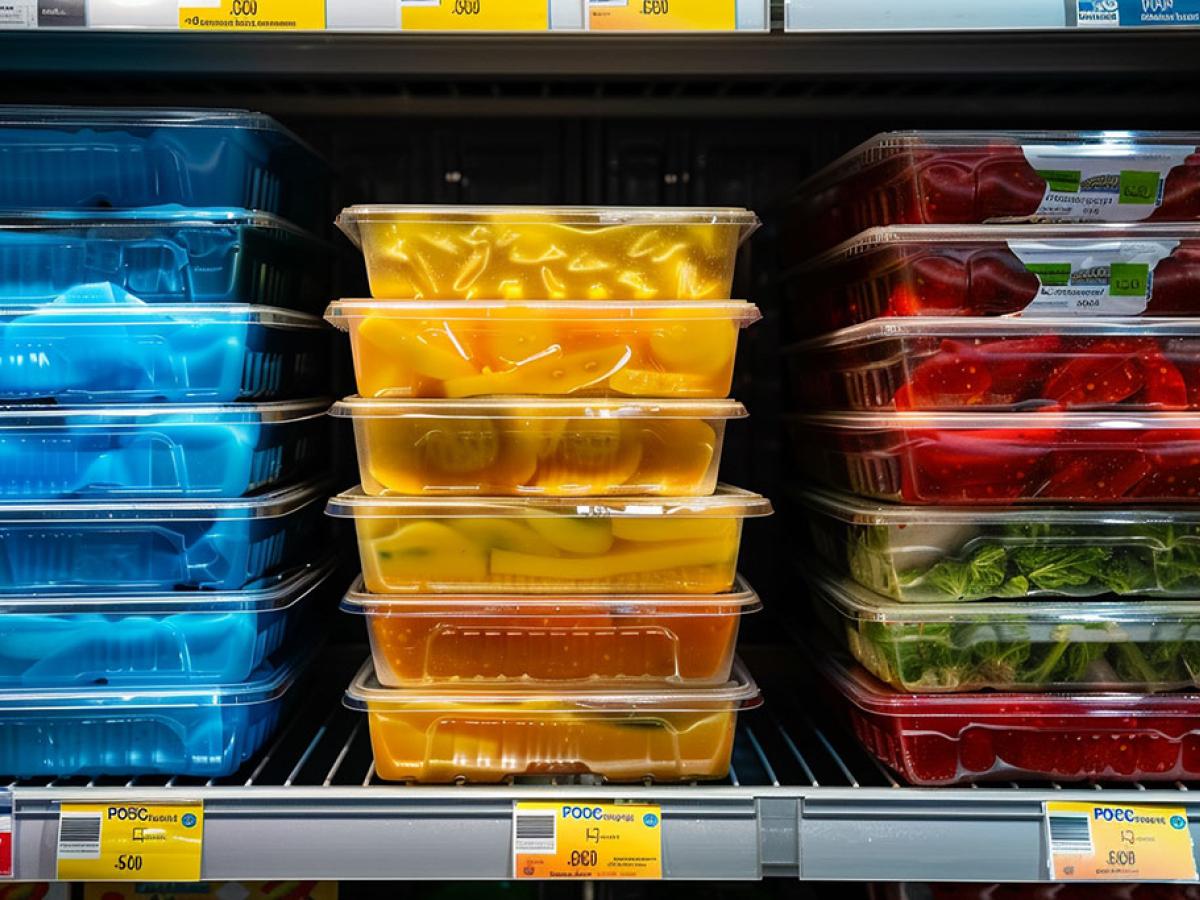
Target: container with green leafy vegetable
(924,554)
(1006,645)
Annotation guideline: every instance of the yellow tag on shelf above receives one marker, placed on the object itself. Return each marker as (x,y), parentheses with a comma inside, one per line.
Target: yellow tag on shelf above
(587,840)
(663,15)
(1113,842)
(474,15)
(252,15)
(130,841)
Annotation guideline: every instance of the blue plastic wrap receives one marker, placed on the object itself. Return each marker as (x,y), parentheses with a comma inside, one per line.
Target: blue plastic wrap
(51,640)
(164,255)
(228,451)
(91,158)
(164,545)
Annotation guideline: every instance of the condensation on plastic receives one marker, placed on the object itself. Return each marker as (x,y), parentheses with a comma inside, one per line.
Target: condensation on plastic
(487,735)
(579,348)
(531,640)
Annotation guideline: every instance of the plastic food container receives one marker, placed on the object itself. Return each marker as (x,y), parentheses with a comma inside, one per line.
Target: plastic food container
(87,158)
(539,447)
(128,352)
(490,734)
(971,364)
(145,730)
(185,451)
(167,254)
(1015,645)
(548,252)
(947,554)
(968,178)
(542,545)
(1086,271)
(157,545)
(962,738)
(177,637)
(447,639)
(1004,458)
(606,349)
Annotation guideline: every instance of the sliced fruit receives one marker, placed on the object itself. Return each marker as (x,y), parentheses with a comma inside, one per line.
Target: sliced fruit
(458,446)
(552,373)
(648,383)
(676,454)
(574,534)
(411,457)
(505,534)
(511,341)
(427,350)
(666,528)
(425,552)
(591,455)
(619,562)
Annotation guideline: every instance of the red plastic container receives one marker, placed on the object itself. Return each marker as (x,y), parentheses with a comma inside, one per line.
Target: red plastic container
(945,739)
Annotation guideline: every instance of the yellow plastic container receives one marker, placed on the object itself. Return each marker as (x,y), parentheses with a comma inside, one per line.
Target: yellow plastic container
(498,545)
(680,349)
(539,447)
(549,252)
(490,734)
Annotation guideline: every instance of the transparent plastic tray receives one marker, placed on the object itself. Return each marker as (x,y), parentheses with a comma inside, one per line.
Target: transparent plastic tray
(543,545)
(147,730)
(1014,645)
(539,447)
(1086,271)
(617,734)
(1003,458)
(83,350)
(549,348)
(167,254)
(523,639)
(944,739)
(178,637)
(971,364)
(968,178)
(948,554)
(548,252)
(158,545)
(90,158)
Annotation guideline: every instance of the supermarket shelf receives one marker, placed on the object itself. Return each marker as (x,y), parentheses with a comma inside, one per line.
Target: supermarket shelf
(801,800)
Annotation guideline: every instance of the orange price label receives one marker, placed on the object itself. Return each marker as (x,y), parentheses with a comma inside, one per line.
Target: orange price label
(663,15)
(474,15)
(1115,842)
(587,840)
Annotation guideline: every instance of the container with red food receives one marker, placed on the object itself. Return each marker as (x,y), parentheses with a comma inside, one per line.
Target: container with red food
(1090,271)
(945,739)
(1003,458)
(969,178)
(969,364)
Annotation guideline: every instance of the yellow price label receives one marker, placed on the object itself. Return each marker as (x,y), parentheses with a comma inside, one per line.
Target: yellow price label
(1114,842)
(130,841)
(587,840)
(663,15)
(474,15)
(252,15)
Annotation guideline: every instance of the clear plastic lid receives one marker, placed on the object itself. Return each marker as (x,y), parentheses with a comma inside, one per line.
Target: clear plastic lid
(536,408)
(50,415)
(341,312)
(133,117)
(740,692)
(166,215)
(1037,422)
(124,315)
(741,600)
(271,505)
(727,502)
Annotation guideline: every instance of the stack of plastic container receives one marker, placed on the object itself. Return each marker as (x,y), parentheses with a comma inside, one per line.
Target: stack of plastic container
(159,519)
(1005,419)
(548,562)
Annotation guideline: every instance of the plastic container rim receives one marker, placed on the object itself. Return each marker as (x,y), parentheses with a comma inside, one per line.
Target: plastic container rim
(639,312)
(525,408)
(129,415)
(179,314)
(168,214)
(1015,420)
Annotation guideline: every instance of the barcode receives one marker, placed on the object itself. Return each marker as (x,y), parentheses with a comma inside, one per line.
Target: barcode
(534,832)
(1070,834)
(79,836)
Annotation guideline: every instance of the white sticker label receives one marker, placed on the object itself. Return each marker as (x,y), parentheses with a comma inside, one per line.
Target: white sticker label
(18,14)
(1101,278)
(1102,183)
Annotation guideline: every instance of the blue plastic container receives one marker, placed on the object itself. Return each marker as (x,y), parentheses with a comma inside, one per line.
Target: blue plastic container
(150,730)
(102,546)
(77,350)
(164,255)
(125,451)
(87,158)
(179,637)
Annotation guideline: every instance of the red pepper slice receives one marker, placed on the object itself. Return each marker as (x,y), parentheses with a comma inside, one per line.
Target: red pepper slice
(979,465)
(1099,373)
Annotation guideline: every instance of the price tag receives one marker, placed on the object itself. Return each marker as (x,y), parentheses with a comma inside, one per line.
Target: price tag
(252,15)
(663,15)
(1113,842)
(587,840)
(474,15)
(130,841)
